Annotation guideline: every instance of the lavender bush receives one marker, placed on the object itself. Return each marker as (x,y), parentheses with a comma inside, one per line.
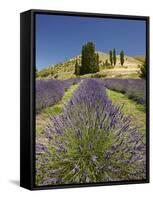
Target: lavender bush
(92,141)
(49,92)
(134,88)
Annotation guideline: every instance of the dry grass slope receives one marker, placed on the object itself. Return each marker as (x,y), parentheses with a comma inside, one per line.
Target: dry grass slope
(66,69)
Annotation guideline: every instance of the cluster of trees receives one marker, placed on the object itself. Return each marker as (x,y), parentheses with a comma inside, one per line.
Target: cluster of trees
(89,60)
(112,57)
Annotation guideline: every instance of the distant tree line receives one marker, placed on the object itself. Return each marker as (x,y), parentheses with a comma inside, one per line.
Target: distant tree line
(89,60)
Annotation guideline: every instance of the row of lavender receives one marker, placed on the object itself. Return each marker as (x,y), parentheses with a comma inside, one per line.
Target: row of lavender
(134,88)
(92,141)
(49,92)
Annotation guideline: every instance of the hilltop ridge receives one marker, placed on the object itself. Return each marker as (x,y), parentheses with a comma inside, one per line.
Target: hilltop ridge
(66,69)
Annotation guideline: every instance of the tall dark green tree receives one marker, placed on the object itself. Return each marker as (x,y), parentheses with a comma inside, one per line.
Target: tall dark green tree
(83,63)
(97,63)
(89,59)
(111,57)
(77,68)
(122,57)
(114,56)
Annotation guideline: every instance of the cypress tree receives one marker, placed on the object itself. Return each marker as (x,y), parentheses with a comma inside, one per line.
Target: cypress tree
(82,60)
(77,68)
(114,56)
(97,62)
(111,57)
(89,59)
(122,57)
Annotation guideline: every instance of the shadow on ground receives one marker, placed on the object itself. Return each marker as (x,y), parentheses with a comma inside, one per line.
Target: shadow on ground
(15,182)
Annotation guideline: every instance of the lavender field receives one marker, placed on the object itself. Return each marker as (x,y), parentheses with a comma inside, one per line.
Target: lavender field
(90,100)
(134,88)
(99,134)
(49,92)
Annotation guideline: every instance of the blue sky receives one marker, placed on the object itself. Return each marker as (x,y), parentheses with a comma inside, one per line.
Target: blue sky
(61,37)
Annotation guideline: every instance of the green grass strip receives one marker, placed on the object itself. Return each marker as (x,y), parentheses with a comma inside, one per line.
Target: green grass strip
(135,110)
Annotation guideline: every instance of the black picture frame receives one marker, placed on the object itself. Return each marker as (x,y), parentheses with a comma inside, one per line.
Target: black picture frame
(27,97)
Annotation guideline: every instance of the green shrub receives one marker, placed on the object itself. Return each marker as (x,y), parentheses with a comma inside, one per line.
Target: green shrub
(143,71)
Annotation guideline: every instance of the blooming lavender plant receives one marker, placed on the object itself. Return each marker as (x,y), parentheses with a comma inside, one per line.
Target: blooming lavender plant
(134,88)
(92,141)
(49,92)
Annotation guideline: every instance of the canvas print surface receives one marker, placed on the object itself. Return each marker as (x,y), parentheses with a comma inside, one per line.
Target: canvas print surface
(90,86)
